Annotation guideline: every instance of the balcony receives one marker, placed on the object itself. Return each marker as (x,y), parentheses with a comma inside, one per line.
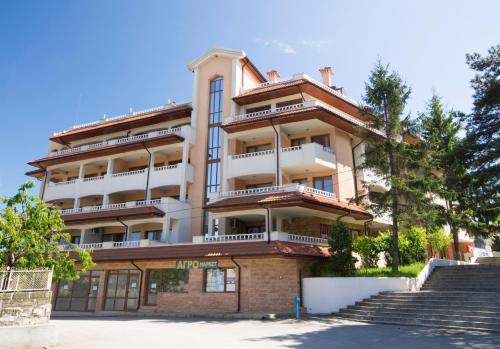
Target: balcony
(374,182)
(172,175)
(275,236)
(311,156)
(113,245)
(251,164)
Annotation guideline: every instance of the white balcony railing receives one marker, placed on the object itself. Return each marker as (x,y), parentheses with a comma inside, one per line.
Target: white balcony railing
(150,135)
(95,178)
(122,244)
(258,114)
(129,173)
(109,207)
(275,236)
(276,189)
(56,184)
(167,167)
(253,154)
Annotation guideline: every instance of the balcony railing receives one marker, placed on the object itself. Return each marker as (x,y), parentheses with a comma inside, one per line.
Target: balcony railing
(150,135)
(129,173)
(165,168)
(95,178)
(275,236)
(113,245)
(109,207)
(277,189)
(253,154)
(258,114)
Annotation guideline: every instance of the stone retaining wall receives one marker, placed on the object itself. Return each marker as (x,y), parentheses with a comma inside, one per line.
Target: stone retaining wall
(23,308)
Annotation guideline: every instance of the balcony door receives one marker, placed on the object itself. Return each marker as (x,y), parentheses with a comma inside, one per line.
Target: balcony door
(122,290)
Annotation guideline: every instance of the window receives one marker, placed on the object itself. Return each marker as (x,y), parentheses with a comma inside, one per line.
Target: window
(298,141)
(153,235)
(113,237)
(323,183)
(256,230)
(257,148)
(137,168)
(257,109)
(260,185)
(166,280)
(220,280)
(135,236)
(324,230)
(287,103)
(302,181)
(214,135)
(324,140)
(75,240)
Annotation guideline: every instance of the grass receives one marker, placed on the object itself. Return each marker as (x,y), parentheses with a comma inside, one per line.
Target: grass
(411,270)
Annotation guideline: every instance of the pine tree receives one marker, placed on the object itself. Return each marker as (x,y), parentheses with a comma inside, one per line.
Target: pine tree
(385,99)
(481,149)
(439,130)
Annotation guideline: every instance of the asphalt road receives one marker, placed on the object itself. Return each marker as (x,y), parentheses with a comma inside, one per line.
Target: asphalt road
(139,333)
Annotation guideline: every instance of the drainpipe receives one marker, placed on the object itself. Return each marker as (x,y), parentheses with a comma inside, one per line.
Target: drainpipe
(355,171)
(278,151)
(149,169)
(365,224)
(140,283)
(44,183)
(126,227)
(238,308)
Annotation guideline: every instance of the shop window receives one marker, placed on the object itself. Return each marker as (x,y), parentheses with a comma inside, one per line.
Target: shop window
(323,183)
(298,141)
(257,148)
(220,280)
(166,280)
(324,140)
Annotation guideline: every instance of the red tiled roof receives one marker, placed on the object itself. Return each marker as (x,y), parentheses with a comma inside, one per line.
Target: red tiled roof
(272,87)
(212,250)
(284,199)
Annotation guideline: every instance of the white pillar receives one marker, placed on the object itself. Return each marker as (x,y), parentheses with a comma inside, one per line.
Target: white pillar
(82,236)
(151,167)
(81,172)
(109,170)
(105,199)
(278,154)
(185,160)
(76,203)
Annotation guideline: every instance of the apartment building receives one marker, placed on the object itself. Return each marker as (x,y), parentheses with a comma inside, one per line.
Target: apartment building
(219,205)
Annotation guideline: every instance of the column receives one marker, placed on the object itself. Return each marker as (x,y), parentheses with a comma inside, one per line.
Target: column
(279,223)
(210,224)
(81,172)
(76,203)
(278,154)
(109,170)
(82,236)
(185,164)
(105,199)
(151,167)
(225,157)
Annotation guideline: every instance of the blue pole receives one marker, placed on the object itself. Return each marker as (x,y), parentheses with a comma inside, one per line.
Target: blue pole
(297,302)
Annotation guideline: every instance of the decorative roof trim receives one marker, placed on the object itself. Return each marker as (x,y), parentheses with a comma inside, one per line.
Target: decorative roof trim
(216,51)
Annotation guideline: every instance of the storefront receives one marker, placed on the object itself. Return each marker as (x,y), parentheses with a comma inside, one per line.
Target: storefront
(264,279)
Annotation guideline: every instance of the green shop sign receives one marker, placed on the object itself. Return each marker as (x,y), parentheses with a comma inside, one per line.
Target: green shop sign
(209,264)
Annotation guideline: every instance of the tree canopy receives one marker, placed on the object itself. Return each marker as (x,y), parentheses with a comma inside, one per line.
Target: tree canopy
(30,234)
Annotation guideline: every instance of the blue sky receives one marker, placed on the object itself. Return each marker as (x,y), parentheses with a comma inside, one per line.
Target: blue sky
(68,62)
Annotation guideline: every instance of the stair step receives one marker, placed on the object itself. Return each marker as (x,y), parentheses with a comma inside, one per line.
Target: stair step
(426,303)
(435,310)
(489,318)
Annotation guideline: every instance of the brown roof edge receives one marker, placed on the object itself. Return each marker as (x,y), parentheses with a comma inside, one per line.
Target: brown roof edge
(35,173)
(60,138)
(254,69)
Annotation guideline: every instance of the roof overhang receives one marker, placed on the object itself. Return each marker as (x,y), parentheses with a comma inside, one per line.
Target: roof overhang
(216,52)
(107,150)
(113,215)
(125,124)
(289,199)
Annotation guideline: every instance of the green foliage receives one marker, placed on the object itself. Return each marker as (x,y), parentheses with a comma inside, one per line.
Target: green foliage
(438,239)
(369,249)
(411,270)
(340,241)
(495,246)
(481,146)
(30,233)
(412,245)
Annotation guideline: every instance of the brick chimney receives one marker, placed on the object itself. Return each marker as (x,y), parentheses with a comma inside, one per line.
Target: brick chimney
(273,76)
(326,74)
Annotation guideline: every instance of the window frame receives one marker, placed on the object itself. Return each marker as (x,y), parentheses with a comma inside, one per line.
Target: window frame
(327,138)
(322,178)
(160,281)
(224,269)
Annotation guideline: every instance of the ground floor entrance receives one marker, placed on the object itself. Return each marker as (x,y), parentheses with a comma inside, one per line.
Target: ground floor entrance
(78,295)
(122,290)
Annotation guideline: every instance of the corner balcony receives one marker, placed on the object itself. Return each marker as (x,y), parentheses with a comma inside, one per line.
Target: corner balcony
(293,160)
(275,236)
(171,175)
(113,245)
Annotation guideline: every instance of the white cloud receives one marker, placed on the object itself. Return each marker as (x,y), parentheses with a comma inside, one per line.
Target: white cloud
(317,44)
(284,47)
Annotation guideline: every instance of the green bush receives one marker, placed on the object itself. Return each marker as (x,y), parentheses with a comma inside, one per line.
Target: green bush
(369,249)
(412,245)
(340,242)
(439,240)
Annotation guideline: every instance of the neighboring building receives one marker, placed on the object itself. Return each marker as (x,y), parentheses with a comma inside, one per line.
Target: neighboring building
(218,205)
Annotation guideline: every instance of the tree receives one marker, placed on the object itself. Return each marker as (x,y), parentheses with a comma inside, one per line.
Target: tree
(30,233)
(340,241)
(439,130)
(481,149)
(438,240)
(385,99)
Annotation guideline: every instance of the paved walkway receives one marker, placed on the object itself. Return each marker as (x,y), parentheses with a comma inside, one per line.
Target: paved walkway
(133,332)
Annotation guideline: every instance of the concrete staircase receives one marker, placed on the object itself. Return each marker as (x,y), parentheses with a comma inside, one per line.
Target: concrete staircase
(465,297)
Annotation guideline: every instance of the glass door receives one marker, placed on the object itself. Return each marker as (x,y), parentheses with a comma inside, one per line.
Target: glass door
(122,291)
(78,295)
